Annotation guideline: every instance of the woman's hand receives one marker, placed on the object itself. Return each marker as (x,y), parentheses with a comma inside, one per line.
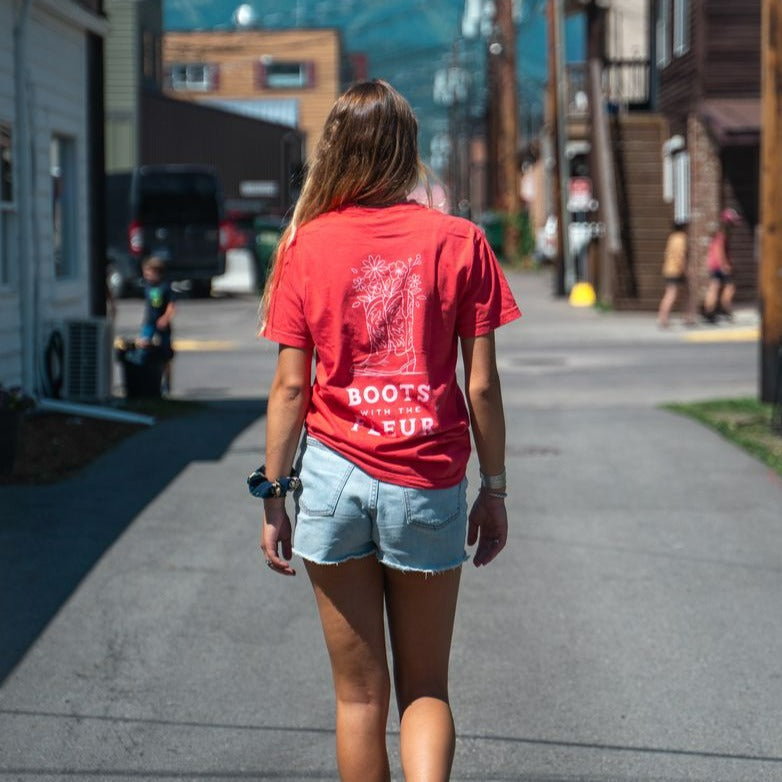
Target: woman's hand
(488,525)
(276,532)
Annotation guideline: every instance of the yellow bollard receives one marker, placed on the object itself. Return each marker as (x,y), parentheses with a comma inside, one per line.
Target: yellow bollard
(582,294)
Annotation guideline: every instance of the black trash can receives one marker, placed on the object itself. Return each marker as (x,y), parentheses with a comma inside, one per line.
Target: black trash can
(142,370)
(10,421)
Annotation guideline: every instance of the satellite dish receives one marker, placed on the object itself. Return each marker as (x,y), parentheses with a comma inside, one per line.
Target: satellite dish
(245,16)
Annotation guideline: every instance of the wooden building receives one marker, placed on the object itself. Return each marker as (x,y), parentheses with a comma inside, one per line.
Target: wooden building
(674,136)
(707,67)
(290,77)
(611,123)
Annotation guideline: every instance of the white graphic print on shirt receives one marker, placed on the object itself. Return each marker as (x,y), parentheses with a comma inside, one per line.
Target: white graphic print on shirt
(390,293)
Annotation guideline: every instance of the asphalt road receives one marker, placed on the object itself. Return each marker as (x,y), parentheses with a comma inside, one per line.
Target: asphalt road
(630,631)
(556,355)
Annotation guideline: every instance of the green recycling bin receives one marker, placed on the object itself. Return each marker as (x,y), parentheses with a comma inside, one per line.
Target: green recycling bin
(267,233)
(493,225)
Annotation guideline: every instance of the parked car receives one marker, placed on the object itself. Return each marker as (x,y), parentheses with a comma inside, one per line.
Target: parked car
(580,234)
(546,240)
(172,211)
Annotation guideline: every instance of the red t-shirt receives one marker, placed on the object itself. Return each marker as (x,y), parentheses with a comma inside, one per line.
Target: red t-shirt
(383,294)
(718,254)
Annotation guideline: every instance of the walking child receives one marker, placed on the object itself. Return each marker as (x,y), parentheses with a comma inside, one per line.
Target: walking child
(159,309)
(722,288)
(674,274)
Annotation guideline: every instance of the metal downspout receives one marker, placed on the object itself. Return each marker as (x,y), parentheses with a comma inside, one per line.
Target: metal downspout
(562,134)
(23,153)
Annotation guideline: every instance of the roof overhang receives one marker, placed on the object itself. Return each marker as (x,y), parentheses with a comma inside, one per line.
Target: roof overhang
(577,6)
(733,122)
(77,15)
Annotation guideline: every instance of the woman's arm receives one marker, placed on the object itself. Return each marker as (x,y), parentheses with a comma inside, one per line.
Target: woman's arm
(289,398)
(484,400)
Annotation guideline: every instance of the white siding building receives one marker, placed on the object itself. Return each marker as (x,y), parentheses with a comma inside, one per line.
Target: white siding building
(627,36)
(48,67)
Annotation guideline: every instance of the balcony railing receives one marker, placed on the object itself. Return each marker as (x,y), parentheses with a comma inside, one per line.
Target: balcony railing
(577,89)
(625,83)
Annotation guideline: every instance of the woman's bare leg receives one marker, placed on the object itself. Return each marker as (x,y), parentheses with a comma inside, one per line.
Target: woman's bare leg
(666,304)
(350,602)
(726,298)
(421,612)
(711,298)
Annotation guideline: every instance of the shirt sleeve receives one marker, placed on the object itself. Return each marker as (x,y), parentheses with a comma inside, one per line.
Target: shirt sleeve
(486,301)
(285,321)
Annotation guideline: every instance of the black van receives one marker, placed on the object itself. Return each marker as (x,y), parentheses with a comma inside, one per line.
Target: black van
(172,211)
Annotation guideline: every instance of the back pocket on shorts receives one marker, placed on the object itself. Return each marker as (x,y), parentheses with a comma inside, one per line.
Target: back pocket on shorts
(434,508)
(324,475)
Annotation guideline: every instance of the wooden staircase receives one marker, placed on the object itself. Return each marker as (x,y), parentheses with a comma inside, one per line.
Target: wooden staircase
(645,218)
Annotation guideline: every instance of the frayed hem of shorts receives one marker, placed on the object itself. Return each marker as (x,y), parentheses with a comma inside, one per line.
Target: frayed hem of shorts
(337,562)
(425,571)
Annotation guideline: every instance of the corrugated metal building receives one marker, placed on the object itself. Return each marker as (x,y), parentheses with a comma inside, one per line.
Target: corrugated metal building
(257,160)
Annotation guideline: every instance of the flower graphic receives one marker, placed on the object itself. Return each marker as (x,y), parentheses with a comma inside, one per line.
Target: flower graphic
(374,266)
(389,293)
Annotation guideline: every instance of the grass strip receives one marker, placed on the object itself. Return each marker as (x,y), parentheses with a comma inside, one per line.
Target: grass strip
(745,422)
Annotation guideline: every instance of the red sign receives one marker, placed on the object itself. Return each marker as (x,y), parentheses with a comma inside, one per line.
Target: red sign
(580,194)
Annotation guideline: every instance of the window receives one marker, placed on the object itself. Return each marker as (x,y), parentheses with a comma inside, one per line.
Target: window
(671,147)
(7,206)
(196,76)
(62,167)
(278,75)
(663,33)
(681,187)
(681,27)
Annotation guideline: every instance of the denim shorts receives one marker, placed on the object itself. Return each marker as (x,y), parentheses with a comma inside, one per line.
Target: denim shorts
(342,513)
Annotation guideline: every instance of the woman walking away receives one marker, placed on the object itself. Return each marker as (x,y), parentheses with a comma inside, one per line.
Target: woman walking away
(719,294)
(674,274)
(382,291)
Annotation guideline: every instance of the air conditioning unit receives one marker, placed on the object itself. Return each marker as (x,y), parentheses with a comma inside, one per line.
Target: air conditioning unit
(86,360)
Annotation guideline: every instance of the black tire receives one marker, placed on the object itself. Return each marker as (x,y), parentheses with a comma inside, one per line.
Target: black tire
(201,289)
(54,365)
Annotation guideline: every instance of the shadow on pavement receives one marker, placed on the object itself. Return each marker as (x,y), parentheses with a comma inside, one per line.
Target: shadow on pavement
(51,536)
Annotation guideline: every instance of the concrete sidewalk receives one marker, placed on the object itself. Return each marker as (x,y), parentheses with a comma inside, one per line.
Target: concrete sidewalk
(630,631)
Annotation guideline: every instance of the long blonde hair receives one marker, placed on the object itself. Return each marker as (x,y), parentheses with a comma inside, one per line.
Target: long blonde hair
(368,155)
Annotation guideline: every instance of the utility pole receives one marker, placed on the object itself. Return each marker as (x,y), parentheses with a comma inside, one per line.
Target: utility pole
(493,183)
(555,121)
(771,204)
(505,51)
